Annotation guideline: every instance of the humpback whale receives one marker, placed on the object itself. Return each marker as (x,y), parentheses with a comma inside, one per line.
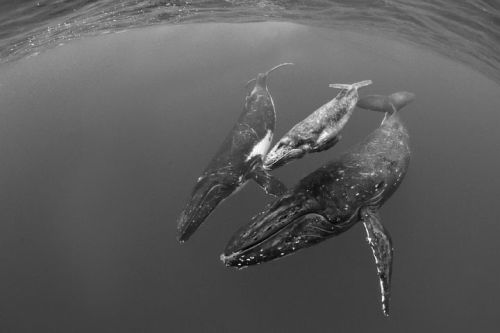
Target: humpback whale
(238,159)
(320,130)
(330,200)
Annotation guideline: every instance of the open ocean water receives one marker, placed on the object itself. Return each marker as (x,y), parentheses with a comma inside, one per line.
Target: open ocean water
(110,110)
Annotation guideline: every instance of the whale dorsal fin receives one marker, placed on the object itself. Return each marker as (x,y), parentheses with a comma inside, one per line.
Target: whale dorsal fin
(380,242)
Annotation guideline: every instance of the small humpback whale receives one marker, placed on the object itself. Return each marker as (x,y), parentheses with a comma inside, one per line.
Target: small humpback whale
(329,201)
(319,131)
(238,159)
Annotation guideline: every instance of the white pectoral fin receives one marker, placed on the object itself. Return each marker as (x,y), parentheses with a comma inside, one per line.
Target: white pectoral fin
(380,242)
(262,146)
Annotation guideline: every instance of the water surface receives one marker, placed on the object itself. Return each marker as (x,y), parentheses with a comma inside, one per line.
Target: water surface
(467,31)
(102,139)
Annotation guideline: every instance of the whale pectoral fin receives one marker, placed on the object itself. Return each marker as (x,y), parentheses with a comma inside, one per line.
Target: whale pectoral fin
(380,241)
(270,184)
(326,144)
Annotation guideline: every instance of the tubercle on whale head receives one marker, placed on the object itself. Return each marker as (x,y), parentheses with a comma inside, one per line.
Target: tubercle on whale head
(292,222)
(288,148)
(281,154)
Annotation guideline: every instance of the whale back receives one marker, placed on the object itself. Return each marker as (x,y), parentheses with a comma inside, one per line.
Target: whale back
(351,180)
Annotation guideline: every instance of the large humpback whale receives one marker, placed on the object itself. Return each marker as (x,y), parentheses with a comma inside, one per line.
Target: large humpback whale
(320,130)
(331,200)
(238,159)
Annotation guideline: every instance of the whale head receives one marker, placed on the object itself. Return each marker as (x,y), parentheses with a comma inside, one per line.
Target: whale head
(292,222)
(208,192)
(270,234)
(285,150)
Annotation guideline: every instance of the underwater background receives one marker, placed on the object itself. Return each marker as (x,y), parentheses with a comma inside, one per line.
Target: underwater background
(110,110)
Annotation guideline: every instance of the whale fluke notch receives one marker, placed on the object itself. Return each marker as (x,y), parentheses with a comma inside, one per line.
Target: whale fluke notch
(355,85)
(380,242)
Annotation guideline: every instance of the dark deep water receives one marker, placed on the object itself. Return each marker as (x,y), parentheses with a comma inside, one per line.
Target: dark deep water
(101,142)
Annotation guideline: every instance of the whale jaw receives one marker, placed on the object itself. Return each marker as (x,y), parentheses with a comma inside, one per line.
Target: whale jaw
(208,193)
(281,154)
(292,222)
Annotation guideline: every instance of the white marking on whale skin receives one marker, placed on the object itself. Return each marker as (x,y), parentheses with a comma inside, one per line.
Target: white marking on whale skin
(262,146)
(238,188)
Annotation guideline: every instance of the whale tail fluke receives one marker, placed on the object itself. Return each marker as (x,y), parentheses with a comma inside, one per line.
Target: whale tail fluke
(401,98)
(355,85)
(278,66)
(388,104)
(261,78)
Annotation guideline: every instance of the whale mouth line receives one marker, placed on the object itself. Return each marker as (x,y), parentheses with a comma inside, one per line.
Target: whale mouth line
(228,258)
(280,157)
